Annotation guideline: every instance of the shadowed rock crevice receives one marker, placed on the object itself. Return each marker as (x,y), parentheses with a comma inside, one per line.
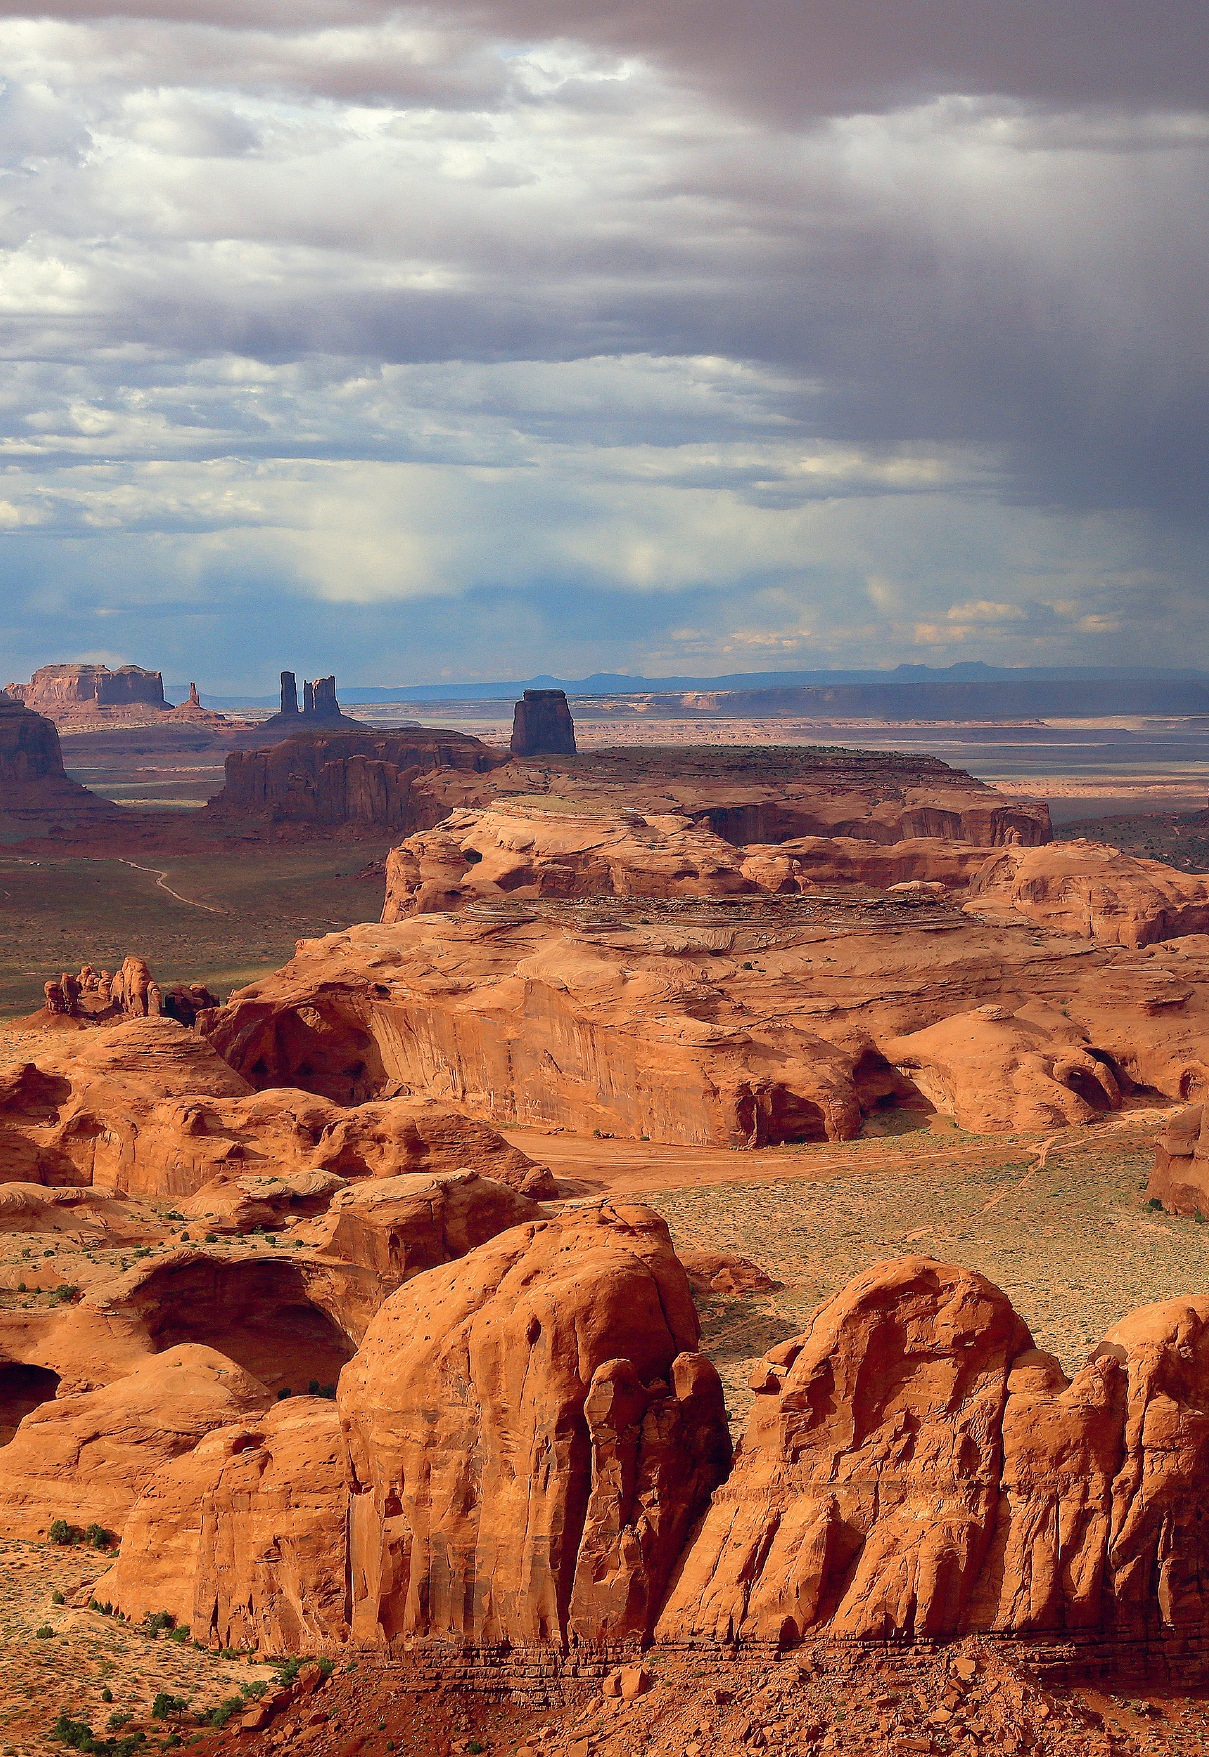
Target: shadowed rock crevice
(263,1316)
(22,1389)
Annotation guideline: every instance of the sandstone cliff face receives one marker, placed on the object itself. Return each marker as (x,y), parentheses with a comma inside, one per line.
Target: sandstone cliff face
(1180,1178)
(35,791)
(1094,892)
(525,1440)
(243,1541)
(737,1030)
(345,778)
(915,1469)
(91,1454)
(149,1108)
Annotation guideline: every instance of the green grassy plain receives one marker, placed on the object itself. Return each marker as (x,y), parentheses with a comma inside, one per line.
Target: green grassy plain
(56,914)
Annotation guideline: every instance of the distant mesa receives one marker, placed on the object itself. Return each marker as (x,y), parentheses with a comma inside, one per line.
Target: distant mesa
(80,696)
(542,724)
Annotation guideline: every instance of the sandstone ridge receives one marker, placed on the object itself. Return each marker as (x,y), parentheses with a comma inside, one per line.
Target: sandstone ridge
(747,1021)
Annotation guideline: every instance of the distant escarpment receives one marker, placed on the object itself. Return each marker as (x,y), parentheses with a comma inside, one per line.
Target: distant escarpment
(336,778)
(411,780)
(36,794)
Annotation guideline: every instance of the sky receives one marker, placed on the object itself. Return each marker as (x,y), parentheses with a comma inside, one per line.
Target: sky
(499,337)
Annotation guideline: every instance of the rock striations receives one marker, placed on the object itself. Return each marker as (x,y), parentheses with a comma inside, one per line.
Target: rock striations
(529,1451)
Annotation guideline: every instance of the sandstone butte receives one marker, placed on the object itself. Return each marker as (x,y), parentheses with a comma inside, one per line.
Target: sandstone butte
(529,1451)
(740,1024)
(36,793)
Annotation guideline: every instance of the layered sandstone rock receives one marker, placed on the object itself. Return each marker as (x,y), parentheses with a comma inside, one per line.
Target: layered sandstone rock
(542,724)
(398,1226)
(1094,892)
(528,1436)
(915,1469)
(525,850)
(1180,1176)
(68,691)
(35,791)
(333,778)
(743,1025)
(825,860)
(149,1108)
(244,1541)
(87,1457)
(751,795)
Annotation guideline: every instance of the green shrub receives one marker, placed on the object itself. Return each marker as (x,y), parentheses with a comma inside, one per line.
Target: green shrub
(156,1621)
(181,1633)
(98,1537)
(64,1294)
(116,1722)
(45,1633)
(107,1694)
(218,1717)
(166,1705)
(62,1533)
(56,1597)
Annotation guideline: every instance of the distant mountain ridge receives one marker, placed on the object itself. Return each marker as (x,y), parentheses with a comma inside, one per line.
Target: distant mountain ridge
(620,683)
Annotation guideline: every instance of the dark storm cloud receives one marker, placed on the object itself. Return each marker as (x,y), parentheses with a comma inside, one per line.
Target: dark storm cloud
(625,257)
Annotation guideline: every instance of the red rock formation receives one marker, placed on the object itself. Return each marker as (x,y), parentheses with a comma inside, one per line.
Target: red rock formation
(1094,892)
(753,795)
(398,1226)
(35,792)
(243,1541)
(345,778)
(825,860)
(526,850)
(87,1457)
(724,1272)
(1180,1177)
(915,1469)
(149,1108)
(750,1025)
(532,1435)
(67,691)
(542,724)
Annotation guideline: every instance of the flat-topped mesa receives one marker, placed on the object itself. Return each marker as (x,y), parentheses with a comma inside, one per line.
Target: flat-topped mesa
(542,724)
(70,691)
(35,790)
(333,777)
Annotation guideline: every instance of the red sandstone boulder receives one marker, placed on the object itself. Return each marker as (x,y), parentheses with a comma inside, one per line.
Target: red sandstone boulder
(1180,1178)
(398,1226)
(723,1272)
(232,1204)
(867,1481)
(533,1435)
(1094,892)
(86,1458)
